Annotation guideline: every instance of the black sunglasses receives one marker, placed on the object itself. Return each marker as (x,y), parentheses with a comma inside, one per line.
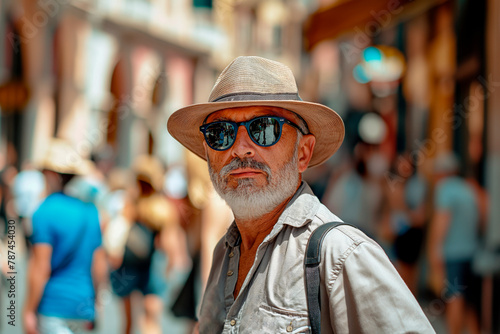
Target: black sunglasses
(264,131)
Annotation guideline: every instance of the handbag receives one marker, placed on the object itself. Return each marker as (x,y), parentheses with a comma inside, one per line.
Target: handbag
(139,246)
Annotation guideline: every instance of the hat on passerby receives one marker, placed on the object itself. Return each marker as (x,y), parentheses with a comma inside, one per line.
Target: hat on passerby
(119,179)
(62,158)
(156,211)
(149,169)
(256,81)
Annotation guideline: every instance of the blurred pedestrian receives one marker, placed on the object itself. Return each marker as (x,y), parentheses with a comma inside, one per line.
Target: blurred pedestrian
(142,267)
(453,240)
(66,263)
(206,219)
(118,214)
(28,190)
(258,139)
(356,195)
(8,172)
(90,188)
(404,217)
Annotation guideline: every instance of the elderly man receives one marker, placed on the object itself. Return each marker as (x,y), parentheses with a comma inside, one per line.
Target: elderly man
(258,137)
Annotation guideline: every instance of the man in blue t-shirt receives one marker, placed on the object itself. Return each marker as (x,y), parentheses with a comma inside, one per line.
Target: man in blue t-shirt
(453,239)
(66,253)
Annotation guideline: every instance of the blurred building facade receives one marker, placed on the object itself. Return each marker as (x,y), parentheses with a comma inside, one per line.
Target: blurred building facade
(102,74)
(106,74)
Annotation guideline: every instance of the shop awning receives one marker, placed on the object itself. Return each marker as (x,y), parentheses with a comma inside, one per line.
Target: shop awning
(366,17)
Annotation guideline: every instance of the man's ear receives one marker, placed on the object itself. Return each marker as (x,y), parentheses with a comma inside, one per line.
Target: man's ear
(306,149)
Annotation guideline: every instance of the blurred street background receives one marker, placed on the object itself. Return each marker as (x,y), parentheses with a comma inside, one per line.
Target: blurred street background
(417,83)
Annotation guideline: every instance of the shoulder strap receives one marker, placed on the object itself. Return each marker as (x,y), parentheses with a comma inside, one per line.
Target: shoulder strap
(311,262)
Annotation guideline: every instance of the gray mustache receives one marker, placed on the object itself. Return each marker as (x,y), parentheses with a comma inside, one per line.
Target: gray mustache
(244,163)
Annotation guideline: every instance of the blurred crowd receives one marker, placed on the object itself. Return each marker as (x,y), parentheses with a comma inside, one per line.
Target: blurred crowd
(428,218)
(155,223)
(156,220)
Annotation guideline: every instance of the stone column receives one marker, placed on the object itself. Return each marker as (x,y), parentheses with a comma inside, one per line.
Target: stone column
(73,107)
(123,108)
(180,76)
(34,25)
(492,165)
(443,67)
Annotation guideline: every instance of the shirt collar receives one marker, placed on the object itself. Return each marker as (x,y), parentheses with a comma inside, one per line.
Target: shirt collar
(233,238)
(300,211)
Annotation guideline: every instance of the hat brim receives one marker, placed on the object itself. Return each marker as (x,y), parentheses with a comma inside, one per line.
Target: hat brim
(80,169)
(324,123)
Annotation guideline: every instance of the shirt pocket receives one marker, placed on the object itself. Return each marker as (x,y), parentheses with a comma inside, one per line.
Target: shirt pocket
(278,320)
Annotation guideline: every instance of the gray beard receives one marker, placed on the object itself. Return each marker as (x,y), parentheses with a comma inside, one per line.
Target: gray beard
(249,201)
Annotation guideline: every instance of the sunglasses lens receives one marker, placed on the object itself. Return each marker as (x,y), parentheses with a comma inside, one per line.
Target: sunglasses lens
(220,136)
(265,131)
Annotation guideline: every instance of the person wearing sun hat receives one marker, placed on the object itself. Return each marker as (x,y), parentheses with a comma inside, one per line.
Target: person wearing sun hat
(147,220)
(67,261)
(258,137)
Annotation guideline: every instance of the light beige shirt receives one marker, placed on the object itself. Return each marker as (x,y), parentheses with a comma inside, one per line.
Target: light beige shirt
(361,292)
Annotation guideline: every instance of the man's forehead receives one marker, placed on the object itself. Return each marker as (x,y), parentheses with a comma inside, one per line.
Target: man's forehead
(246,113)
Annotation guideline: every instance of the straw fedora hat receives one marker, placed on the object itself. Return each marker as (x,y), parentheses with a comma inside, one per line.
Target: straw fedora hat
(256,81)
(62,158)
(149,169)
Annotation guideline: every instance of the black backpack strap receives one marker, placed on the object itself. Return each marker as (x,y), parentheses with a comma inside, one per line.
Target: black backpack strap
(311,262)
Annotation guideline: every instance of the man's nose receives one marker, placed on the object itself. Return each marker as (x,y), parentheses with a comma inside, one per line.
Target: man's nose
(243,145)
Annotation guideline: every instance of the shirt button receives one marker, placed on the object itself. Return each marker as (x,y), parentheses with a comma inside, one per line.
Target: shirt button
(231,254)
(233,322)
(230,273)
(289,329)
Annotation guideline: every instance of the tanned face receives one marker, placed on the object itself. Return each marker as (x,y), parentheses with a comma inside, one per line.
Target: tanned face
(255,179)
